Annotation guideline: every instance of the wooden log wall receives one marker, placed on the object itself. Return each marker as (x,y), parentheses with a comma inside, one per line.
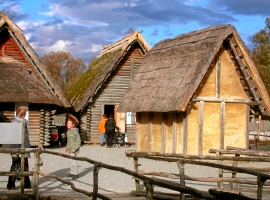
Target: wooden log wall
(39,122)
(111,93)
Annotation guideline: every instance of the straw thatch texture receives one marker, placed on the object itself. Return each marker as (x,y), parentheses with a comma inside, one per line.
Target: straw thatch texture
(101,69)
(19,84)
(174,68)
(33,59)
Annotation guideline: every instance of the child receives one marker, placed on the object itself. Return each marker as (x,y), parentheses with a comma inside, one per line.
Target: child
(73,144)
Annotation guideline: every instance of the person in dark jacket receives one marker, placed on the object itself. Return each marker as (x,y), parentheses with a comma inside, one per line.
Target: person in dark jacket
(20,117)
(73,144)
(110,127)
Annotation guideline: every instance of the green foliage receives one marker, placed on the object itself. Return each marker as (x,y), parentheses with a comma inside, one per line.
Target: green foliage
(261,53)
(64,68)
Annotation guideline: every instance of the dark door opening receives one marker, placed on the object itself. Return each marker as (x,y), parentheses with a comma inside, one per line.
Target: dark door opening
(108,109)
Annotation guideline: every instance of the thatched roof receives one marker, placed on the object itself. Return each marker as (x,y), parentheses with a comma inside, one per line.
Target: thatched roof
(101,68)
(33,63)
(19,84)
(173,69)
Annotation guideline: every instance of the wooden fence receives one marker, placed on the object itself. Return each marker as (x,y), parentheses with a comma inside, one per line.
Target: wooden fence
(149,182)
(218,193)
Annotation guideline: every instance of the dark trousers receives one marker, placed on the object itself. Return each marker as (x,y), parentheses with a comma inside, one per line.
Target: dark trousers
(109,138)
(12,179)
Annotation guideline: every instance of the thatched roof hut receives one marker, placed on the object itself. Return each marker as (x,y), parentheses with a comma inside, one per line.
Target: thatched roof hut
(102,67)
(18,83)
(174,68)
(25,80)
(15,45)
(100,90)
(197,91)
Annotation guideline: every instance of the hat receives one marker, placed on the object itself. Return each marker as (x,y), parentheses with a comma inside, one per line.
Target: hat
(73,119)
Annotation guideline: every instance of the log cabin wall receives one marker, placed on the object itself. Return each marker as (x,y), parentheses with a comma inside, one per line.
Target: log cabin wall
(111,93)
(206,124)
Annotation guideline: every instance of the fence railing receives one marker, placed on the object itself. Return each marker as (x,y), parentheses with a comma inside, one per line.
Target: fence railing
(149,182)
(218,193)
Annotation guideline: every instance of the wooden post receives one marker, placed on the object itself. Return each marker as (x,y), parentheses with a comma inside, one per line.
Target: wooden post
(261,182)
(220,171)
(258,135)
(149,190)
(234,173)
(36,175)
(22,157)
(95,184)
(136,169)
(181,167)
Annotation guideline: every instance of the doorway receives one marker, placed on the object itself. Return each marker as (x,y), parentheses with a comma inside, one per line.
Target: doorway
(108,109)
(118,117)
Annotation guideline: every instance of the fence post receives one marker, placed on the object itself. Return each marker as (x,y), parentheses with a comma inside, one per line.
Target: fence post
(136,169)
(181,167)
(234,173)
(149,190)
(220,171)
(261,182)
(95,178)
(36,175)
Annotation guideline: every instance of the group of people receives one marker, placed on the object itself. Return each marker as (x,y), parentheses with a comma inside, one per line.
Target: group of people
(72,147)
(107,129)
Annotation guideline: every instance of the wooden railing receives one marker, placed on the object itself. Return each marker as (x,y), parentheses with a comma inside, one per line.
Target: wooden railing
(219,193)
(149,182)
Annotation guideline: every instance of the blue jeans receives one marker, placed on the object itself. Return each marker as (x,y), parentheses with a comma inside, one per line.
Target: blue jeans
(103,135)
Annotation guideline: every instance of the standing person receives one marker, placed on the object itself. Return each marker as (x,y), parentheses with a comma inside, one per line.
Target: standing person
(110,126)
(102,130)
(73,144)
(20,117)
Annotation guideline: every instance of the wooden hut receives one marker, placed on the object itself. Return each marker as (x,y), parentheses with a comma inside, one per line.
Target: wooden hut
(25,80)
(102,87)
(195,92)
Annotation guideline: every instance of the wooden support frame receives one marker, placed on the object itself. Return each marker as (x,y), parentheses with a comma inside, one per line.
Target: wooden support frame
(226,100)
(218,68)
(164,117)
(150,132)
(247,123)
(222,124)
(174,133)
(200,139)
(185,135)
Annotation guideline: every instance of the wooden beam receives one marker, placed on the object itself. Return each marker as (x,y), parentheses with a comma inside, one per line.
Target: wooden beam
(174,136)
(150,131)
(163,133)
(222,124)
(218,77)
(200,139)
(226,100)
(247,123)
(185,133)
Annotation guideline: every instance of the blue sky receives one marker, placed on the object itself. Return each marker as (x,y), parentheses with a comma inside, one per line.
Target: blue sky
(83,27)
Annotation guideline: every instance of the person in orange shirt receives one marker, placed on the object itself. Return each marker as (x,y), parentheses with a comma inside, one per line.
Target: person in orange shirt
(102,130)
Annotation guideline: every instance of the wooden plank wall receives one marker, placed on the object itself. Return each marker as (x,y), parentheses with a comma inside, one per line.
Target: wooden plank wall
(39,130)
(112,92)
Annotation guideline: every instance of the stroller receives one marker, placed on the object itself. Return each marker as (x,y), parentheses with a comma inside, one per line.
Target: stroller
(120,139)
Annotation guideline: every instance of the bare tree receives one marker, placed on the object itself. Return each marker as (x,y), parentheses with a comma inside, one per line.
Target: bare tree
(64,68)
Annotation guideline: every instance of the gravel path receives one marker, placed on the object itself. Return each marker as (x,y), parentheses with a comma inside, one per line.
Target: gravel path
(110,182)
